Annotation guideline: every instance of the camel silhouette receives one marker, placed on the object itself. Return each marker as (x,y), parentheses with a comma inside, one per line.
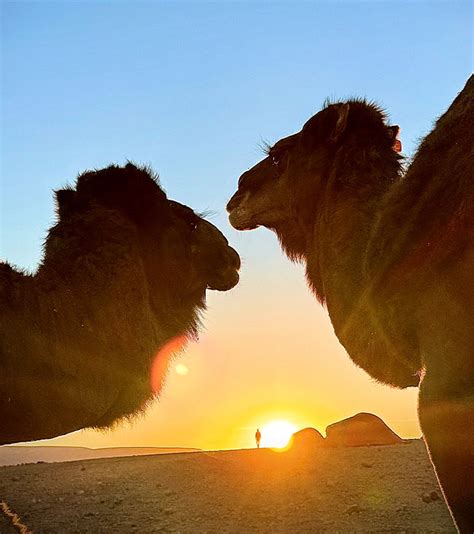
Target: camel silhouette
(86,340)
(391,255)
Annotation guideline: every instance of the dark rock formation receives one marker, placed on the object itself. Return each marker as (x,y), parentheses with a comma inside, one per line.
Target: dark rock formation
(360,430)
(307,438)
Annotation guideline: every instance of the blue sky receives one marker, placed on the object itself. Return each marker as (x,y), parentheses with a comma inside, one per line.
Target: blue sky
(192,88)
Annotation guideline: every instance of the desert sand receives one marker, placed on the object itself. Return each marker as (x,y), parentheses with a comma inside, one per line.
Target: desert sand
(356,489)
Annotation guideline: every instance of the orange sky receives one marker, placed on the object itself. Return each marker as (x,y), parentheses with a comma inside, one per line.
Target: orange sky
(268,352)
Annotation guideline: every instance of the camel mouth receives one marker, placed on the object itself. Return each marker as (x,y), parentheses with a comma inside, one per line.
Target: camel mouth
(226,281)
(241,220)
(227,276)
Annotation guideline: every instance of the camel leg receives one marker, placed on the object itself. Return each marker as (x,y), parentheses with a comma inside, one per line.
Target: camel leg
(447,420)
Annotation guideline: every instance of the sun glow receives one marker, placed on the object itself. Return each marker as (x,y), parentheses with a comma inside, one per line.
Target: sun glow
(277,434)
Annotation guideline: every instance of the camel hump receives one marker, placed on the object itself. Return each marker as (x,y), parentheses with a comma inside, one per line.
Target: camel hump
(429,214)
(466,96)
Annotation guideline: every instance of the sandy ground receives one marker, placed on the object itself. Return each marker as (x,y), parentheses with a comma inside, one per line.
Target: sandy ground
(366,489)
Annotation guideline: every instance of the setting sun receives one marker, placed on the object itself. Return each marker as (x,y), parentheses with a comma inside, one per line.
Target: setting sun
(277,434)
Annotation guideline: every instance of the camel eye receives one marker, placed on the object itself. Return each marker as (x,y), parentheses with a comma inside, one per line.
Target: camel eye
(192,225)
(277,156)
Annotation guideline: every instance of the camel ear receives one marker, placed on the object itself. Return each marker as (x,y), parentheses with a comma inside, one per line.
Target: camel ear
(65,202)
(393,132)
(341,122)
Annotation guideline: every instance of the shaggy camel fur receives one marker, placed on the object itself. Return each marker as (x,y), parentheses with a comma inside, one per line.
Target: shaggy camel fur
(86,340)
(390,254)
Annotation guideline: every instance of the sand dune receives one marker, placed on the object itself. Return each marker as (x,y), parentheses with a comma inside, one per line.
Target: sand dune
(364,489)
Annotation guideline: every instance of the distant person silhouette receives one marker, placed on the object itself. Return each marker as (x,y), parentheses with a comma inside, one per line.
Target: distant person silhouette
(258,437)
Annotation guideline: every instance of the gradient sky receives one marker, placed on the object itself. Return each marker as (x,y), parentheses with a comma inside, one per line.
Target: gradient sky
(192,88)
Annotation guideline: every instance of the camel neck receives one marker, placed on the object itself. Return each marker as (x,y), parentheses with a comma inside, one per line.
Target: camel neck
(337,253)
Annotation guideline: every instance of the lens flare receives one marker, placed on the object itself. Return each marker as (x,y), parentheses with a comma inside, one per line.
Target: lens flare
(181,369)
(162,359)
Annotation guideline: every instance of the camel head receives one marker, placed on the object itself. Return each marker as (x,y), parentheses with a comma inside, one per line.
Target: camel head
(283,191)
(208,250)
(121,287)
(182,254)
